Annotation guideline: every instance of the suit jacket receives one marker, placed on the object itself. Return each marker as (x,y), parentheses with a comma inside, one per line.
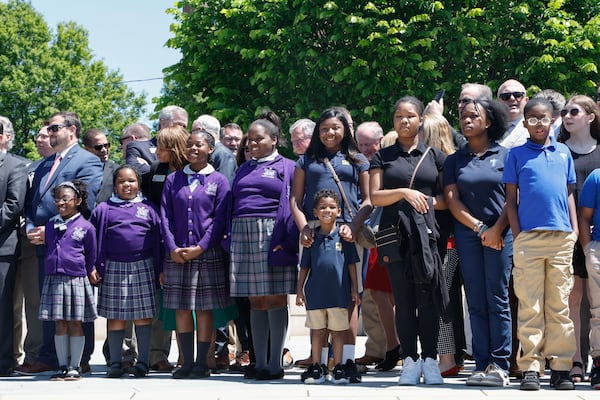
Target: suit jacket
(145,149)
(107,188)
(13,187)
(77,164)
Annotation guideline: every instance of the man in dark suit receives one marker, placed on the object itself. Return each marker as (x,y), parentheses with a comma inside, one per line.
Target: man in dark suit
(95,141)
(69,162)
(137,147)
(13,184)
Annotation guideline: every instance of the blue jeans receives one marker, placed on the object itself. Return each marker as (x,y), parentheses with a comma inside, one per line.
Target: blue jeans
(486,273)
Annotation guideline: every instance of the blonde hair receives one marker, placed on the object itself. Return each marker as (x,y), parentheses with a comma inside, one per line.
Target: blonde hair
(389,139)
(174,139)
(435,132)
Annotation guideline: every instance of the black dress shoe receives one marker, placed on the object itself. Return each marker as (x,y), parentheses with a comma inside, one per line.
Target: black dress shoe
(266,375)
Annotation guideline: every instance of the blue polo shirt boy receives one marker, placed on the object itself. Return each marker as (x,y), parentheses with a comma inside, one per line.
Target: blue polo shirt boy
(541,172)
(328,283)
(541,209)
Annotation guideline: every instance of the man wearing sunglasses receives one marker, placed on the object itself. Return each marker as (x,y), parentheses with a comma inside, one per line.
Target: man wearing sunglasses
(513,94)
(69,162)
(95,141)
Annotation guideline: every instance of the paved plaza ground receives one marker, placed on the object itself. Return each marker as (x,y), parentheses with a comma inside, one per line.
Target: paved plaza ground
(380,386)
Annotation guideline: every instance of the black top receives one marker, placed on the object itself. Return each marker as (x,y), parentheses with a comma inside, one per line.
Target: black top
(398,167)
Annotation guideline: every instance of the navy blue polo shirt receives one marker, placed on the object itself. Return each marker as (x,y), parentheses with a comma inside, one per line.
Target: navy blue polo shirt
(328,283)
(317,176)
(479,181)
(398,167)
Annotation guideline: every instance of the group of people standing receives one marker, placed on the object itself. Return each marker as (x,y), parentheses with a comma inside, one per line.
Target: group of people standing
(189,238)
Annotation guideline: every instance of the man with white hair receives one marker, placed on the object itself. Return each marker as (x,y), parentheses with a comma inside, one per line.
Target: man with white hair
(222,158)
(300,133)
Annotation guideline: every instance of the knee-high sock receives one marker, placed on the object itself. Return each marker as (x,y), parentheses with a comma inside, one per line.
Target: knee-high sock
(115,345)
(186,341)
(201,353)
(278,323)
(62,349)
(260,336)
(142,334)
(76,344)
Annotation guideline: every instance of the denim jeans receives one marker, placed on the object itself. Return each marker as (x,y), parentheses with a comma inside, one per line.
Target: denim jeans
(486,273)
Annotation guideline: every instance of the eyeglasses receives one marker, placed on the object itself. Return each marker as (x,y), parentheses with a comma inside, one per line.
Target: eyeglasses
(57,127)
(99,147)
(572,111)
(464,101)
(506,96)
(534,121)
(123,139)
(64,199)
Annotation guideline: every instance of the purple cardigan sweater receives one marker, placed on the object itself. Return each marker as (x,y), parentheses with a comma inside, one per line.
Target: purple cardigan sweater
(194,218)
(71,247)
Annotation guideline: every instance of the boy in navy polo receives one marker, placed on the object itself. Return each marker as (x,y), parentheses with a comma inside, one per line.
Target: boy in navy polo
(542,215)
(326,285)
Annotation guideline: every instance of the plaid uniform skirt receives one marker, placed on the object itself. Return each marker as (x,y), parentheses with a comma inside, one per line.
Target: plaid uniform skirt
(67,298)
(127,290)
(200,284)
(250,273)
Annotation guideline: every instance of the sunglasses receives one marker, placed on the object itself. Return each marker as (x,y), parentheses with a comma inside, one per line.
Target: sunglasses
(506,96)
(57,127)
(99,147)
(572,111)
(464,100)
(533,121)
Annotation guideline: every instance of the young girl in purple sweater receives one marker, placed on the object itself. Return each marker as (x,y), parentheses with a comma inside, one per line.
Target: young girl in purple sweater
(67,296)
(129,244)
(193,213)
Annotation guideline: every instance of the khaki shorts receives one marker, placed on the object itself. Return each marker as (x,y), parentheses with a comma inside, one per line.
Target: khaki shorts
(334,319)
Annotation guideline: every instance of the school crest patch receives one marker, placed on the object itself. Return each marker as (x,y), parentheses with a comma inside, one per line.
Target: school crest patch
(142,213)
(211,189)
(78,234)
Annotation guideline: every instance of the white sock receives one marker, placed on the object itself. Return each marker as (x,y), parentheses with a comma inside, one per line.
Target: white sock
(324,355)
(348,352)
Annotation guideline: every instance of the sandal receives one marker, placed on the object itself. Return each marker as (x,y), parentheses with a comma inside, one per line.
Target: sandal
(575,376)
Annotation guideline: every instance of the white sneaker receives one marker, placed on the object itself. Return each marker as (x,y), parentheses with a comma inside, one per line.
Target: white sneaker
(431,372)
(475,378)
(411,372)
(495,376)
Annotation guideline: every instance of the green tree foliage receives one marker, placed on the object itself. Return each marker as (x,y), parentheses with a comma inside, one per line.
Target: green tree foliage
(42,72)
(298,57)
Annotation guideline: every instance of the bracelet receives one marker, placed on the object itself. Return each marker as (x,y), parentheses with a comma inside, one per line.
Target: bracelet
(478,225)
(483,228)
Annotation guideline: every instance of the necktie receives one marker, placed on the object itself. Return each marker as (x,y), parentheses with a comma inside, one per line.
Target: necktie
(53,170)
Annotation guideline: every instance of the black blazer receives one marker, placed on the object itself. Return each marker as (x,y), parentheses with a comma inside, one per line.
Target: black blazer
(13,188)
(144,149)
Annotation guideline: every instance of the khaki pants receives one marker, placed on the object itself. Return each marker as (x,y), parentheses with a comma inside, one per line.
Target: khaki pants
(543,279)
(592,264)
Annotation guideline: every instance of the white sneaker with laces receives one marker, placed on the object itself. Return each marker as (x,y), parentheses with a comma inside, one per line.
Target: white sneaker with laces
(475,378)
(431,372)
(411,372)
(495,377)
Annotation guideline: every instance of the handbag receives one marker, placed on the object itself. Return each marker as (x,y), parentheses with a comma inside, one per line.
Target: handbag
(389,240)
(365,235)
